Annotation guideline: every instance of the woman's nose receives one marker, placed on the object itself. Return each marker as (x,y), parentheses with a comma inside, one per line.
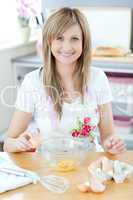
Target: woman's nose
(66,46)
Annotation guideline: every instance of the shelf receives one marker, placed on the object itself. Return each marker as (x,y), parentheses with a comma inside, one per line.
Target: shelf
(122,59)
(105,63)
(119,65)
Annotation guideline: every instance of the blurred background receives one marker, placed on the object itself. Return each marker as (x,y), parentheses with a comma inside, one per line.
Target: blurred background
(111,25)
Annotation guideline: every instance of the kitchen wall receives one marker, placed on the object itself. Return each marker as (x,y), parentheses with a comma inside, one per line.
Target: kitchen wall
(60,3)
(7,79)
(106,27)
(104,22)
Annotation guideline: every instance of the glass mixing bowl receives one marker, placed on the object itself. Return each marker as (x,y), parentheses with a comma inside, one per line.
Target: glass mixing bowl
(65,153)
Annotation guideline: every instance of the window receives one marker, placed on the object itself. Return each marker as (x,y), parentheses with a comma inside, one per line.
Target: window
(9,28)
(8,22)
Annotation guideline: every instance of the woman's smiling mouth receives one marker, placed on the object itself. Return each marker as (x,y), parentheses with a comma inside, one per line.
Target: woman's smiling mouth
(66,54)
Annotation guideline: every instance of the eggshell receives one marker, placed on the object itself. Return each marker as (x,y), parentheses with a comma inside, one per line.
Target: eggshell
(96,186)
(96,164)
(83,188)
(107,165)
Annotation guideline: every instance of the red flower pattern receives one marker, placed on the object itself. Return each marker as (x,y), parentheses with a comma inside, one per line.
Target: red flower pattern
(84,129)
(87,120)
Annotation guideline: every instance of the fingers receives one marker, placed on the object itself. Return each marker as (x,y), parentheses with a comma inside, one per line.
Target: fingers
(36,138)
(28,140)
(117,151)
(114,145)
(27,137)
(118,144)
(22,144)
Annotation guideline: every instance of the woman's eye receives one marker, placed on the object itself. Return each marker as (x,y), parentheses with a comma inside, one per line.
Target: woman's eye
(75,38)
(60,38)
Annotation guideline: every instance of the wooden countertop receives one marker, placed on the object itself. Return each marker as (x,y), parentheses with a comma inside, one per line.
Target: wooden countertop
(34,162)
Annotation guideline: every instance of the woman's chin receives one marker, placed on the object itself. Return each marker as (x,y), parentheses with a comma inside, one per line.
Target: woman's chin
(67,61)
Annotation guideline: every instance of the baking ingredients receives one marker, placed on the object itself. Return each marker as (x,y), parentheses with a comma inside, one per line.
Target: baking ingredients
(102,170)
(65,166)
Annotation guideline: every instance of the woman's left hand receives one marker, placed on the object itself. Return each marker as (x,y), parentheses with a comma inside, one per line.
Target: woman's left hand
(114,144)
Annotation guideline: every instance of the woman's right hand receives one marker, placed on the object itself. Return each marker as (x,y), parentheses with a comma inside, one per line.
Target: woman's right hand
(22,143)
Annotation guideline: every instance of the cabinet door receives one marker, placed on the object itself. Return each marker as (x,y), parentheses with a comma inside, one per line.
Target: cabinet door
(122,90)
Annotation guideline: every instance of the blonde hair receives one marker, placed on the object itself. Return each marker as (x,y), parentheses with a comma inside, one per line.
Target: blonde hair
(55,25)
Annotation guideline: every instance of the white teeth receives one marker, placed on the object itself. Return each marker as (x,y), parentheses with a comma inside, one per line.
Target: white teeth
(66,54)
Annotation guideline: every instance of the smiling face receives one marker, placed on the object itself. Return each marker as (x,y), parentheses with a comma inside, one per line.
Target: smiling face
(66,52)
(67,47)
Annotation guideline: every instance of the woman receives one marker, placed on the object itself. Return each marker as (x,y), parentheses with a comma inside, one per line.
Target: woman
(65,88)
